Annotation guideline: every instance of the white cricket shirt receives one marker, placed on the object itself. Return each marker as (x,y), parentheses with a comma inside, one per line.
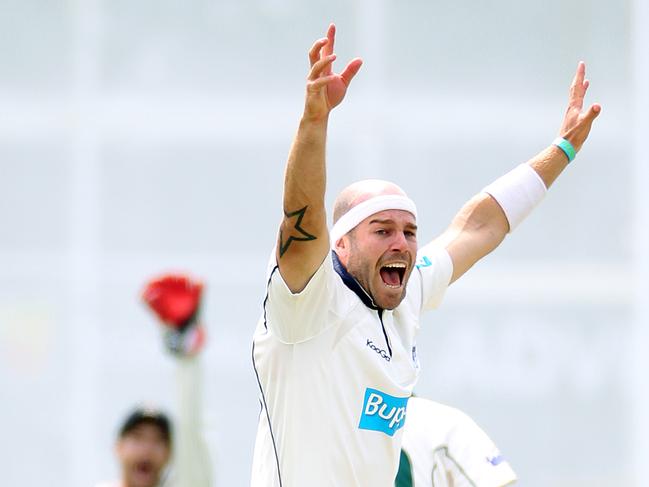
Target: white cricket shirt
(443,447)
(335,374)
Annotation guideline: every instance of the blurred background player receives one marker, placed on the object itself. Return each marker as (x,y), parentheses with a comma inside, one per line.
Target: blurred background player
(443,447)
(152,453)
(143,448)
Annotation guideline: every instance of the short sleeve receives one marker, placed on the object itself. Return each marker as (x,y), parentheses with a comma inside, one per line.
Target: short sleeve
(435,267)
(296,317)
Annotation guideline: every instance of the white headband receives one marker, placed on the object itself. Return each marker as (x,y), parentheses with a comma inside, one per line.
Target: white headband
(368,207)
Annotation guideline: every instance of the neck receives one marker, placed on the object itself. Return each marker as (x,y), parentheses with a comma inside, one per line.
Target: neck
(351,282)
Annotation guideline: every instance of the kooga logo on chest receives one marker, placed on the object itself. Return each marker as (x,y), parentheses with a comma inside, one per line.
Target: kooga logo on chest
(383,412)
(382,353)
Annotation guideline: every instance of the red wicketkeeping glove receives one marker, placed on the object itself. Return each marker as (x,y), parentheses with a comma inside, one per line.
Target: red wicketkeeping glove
(176,299)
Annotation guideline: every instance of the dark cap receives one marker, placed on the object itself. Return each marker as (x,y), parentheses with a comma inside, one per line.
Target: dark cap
(147,415)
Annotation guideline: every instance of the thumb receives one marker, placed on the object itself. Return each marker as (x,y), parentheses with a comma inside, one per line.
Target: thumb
(351,70)
(582,129)
(592,113)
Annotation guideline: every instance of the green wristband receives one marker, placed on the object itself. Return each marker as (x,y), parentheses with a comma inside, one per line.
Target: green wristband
(566,147)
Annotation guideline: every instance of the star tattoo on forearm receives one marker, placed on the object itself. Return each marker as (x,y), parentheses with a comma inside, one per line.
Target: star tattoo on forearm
(297,233)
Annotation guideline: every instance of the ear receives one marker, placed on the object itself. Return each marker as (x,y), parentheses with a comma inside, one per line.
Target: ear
(118,448)
(342,247)
(168,454)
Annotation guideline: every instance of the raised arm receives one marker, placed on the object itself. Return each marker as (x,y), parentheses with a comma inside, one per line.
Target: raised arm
(193,467)
(303,240)
(482,224)
(175,299)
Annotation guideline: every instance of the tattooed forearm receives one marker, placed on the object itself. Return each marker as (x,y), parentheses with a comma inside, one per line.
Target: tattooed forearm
(295,232)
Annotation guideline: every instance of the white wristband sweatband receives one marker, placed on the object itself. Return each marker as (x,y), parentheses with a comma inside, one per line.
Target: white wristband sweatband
(517,192)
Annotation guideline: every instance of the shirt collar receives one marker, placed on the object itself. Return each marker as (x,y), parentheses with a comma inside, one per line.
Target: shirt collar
(352,283)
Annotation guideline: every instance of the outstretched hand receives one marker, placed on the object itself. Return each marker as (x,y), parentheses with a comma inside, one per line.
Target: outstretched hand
(326,89)
(175,300)
(576,124)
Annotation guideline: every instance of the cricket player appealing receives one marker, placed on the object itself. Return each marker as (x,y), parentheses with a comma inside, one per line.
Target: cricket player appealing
(443,447)
(150,452)
(334,351)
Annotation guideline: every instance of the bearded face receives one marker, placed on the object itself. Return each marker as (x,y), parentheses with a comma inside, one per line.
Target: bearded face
(380,253)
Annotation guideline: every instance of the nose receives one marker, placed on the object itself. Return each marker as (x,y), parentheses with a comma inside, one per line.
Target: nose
(399,242)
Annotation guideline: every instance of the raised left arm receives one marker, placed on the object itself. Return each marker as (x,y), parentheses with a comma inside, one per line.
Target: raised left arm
(175,299)
(484,221)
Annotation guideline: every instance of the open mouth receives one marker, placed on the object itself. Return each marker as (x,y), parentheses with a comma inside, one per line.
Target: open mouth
(144,468)
(392,274)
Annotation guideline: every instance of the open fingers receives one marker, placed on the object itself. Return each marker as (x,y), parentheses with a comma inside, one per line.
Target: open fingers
(579,75)
(350,70)
(314,52)
(328,48)
(578,87)
(331,37)
(321,67)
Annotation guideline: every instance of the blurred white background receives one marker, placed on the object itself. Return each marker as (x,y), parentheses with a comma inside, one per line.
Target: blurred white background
(139,137)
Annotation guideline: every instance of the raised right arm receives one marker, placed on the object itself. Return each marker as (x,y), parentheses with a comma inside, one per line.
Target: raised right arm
(303,240)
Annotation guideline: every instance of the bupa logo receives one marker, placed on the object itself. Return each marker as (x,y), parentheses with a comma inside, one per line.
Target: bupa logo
(383,412)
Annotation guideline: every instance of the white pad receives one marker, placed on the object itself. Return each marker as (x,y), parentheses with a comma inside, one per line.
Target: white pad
(367,208)
(517,192)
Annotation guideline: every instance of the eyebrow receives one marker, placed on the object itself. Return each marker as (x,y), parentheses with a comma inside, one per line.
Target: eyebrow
(389,221)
